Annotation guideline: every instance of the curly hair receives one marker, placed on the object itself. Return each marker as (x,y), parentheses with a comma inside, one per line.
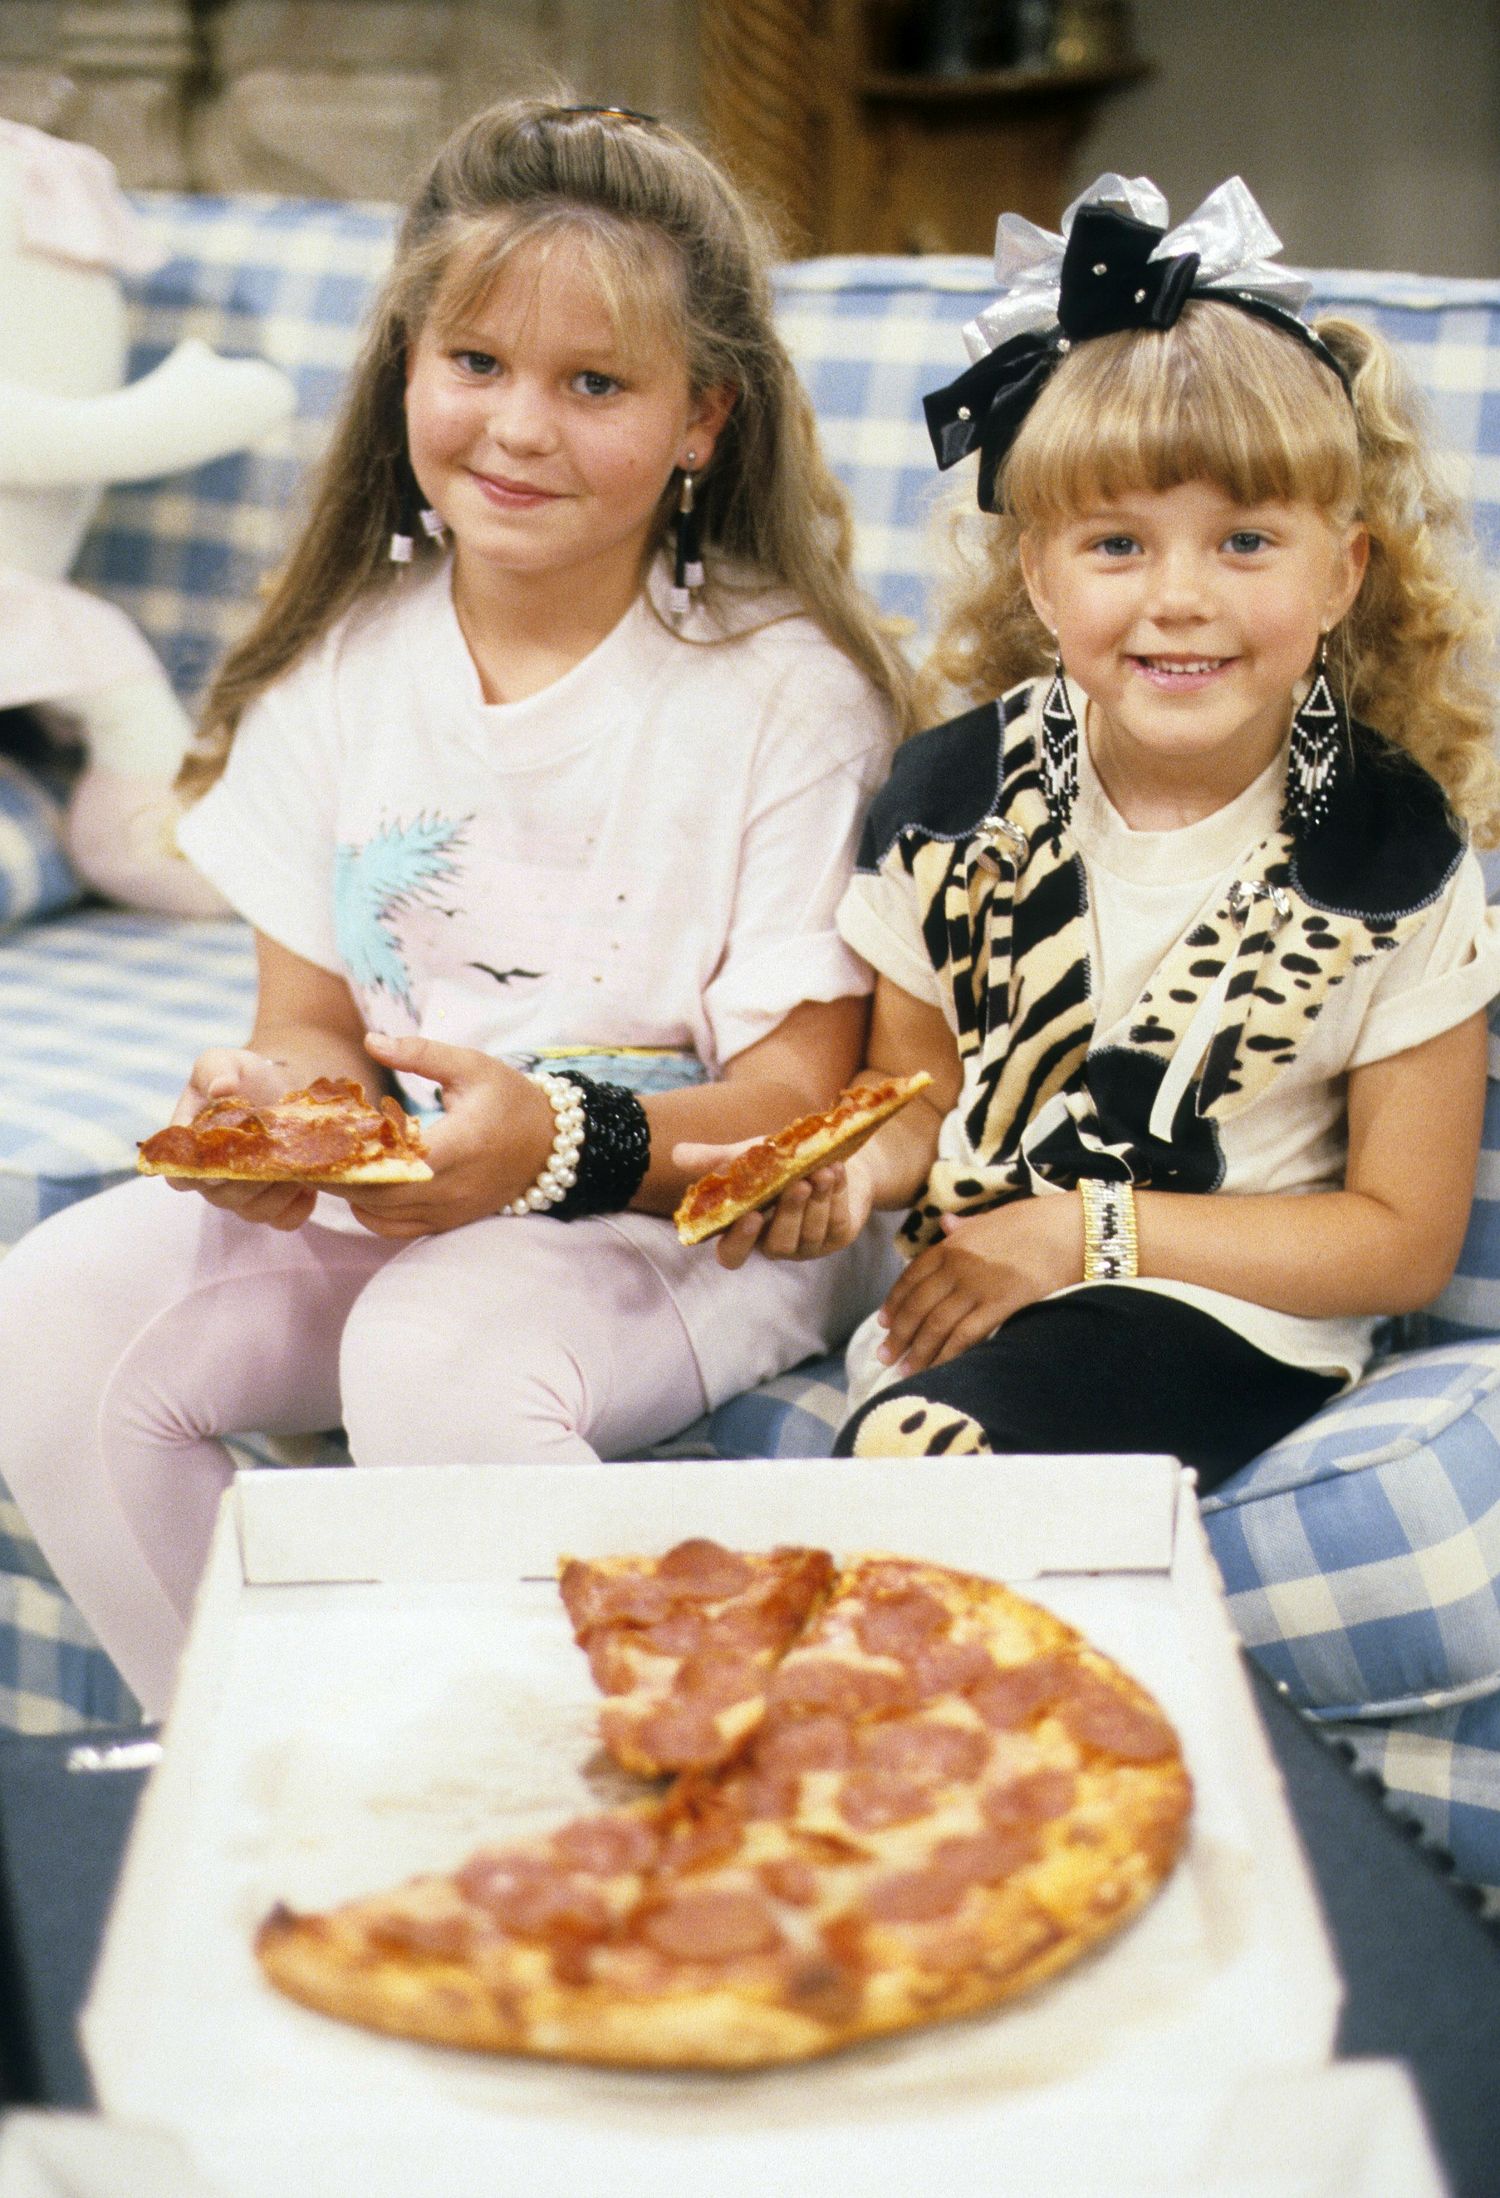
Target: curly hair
(680,257)
(1226,398)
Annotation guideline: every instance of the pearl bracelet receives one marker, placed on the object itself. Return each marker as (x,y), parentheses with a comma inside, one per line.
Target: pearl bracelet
(560,1168)
(1110,1245)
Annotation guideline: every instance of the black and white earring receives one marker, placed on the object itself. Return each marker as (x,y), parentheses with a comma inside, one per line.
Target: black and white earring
(687,574)
(1319,729)
(1059,749)
(403,545)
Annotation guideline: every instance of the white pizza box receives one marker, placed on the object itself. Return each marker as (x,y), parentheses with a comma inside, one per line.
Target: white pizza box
(381,1677)
(1354,2130)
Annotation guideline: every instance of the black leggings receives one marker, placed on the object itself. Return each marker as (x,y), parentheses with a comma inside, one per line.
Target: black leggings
(1105,1368)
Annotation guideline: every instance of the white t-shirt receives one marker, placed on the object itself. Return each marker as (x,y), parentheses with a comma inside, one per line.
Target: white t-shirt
(647,853)
(1146,889)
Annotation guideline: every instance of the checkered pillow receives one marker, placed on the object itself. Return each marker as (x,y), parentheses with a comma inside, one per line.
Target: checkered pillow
(1361,1556)
(1438,1771)
(35,874)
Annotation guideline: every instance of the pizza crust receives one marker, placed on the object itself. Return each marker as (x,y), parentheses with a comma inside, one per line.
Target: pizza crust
(759,1175)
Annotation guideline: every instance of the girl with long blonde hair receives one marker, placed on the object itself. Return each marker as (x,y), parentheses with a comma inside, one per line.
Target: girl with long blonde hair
(539,777)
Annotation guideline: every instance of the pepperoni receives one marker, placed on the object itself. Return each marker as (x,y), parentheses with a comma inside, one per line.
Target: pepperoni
(719,1925)
(706,1570)
(676,1735)
(921,1896)
(984,1858)
(717,1675)
(848,1690)
(678,1634)
(605,1846)
(592,1597)
(818,1743)
(950,1667)
(530,1900)
(763,1796)
(1034,1798)
(789,1879)
(898,1625)
(1112,1724)
(1019,1693)
(925,1748)
(915,1896)
(870,1800)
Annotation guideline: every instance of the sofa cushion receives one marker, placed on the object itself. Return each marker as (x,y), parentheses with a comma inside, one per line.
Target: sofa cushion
(1470,1306)
(795,1415)
(1361,1555)
(102,1013)
(1437,1771)
(35,874)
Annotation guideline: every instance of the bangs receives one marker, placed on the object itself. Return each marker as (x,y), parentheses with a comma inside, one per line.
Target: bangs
(634,271)
(1221,397)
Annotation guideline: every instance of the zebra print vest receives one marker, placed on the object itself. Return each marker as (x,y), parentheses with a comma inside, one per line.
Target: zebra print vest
(1002,897)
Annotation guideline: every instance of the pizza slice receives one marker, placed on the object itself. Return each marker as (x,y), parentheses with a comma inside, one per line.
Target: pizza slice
(329,1133)
(759,1175)
(950,1797)
(683,1646)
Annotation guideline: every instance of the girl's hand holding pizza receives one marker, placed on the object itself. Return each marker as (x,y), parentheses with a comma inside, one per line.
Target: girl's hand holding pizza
(822,1213)
(235,1072)
(988,1266)
(489,1145)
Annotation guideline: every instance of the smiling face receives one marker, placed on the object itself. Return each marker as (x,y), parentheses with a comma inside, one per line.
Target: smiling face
(1189,618)
(545,439)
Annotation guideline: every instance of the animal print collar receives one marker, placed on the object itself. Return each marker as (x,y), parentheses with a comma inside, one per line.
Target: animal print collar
(1003,898)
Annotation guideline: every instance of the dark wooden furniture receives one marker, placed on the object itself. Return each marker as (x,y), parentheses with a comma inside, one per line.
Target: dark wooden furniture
(852,151)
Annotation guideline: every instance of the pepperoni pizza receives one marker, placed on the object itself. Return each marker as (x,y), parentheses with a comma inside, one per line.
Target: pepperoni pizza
(328,1133)
(941,1795)
(759,1174)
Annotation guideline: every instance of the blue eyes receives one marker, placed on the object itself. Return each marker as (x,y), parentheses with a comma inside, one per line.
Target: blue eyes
(1244,542)
(483,366)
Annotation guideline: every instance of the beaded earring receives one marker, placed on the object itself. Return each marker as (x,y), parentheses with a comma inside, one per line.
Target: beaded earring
(1319,729)
(1059,749)
(687,575)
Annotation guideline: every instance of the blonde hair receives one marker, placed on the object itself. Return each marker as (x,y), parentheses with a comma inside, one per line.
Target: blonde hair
(678,255)
(1226,398)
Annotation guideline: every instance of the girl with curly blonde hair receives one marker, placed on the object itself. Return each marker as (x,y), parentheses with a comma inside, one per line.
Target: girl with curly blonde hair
(1184,926)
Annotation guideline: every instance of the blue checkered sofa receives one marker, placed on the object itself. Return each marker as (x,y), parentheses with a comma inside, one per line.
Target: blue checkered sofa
(1361,1556)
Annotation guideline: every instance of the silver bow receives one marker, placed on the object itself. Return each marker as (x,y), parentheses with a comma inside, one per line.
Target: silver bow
(1230,234)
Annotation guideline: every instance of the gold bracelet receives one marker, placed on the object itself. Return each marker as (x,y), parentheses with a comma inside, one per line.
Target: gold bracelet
(1110,1244)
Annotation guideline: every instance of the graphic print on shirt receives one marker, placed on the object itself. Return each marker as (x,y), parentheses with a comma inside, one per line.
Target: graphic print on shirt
(404,866)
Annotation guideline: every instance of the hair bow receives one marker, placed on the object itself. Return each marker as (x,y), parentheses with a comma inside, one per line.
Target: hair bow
(1116,266)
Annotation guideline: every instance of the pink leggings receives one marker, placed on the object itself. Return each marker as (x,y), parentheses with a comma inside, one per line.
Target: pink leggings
(140,1326)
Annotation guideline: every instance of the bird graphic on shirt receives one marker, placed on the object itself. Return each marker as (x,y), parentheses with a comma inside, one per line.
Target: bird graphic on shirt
(403,866)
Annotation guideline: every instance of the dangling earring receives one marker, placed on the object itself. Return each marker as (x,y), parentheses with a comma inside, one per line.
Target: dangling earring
(433,525)
(1059,749)
(687,575)
(401,548)
(1318,729)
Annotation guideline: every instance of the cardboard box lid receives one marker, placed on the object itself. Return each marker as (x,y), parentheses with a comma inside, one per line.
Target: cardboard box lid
(381,1678)
(1354,2130)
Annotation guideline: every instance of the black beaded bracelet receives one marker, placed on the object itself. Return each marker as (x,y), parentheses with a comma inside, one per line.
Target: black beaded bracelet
(614,1155)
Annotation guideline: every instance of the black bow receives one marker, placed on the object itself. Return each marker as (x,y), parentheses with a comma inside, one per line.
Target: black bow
(1109,282)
